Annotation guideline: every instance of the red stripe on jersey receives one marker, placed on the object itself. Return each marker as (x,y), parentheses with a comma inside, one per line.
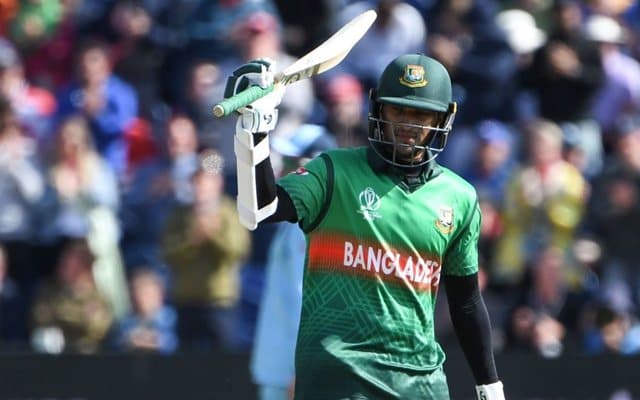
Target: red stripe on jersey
(339,253)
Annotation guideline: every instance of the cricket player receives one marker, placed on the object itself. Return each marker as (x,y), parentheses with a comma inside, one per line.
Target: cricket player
(384,226)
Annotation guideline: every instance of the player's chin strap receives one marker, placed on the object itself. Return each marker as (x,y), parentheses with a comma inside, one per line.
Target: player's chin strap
(252,149)
(492,391)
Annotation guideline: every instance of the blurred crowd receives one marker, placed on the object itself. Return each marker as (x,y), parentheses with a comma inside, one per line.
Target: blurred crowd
(118,227)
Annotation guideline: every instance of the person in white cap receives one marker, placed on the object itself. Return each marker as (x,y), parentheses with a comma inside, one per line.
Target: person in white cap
(524,38)
(523,34)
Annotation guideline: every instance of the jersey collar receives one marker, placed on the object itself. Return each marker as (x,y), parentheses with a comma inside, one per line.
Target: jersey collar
(412,181)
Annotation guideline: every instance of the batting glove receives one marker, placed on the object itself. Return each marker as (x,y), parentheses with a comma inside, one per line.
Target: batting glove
(261,115)
(492,391)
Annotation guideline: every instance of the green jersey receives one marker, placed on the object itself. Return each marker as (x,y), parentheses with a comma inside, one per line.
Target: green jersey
(376,249)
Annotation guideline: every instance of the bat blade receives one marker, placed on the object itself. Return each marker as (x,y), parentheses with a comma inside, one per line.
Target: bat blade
(324,57)
(331,52)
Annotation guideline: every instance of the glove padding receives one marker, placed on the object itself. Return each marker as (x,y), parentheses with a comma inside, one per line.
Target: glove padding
(261,115)
(492,391)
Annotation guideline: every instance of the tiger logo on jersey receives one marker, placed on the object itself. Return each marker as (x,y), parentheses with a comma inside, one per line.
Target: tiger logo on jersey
(444,223)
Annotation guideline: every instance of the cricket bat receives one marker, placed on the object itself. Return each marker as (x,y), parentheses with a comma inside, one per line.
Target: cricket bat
(322,58)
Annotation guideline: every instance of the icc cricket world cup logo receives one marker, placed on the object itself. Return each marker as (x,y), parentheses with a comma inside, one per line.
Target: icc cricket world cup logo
(369,204)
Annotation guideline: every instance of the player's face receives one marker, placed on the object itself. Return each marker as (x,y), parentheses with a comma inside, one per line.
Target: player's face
(407,128)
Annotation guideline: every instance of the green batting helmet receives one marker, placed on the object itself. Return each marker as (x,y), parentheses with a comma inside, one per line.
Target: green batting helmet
(419,82)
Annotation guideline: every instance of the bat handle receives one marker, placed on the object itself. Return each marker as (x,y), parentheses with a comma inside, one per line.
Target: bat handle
(239,100)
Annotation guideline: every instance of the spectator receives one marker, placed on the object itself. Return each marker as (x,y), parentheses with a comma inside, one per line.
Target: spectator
(524,38)
(81,179)
(204,84)
(154,189)
(547,313)
(489,167)
(205,247)
(612,330)
(614,213)
(109,104)
(151,326)
(620,93)
(34,22)
(34,106)
(135,58)
(306,24)
(69,313)
(544,203)
(87,196)
(48,61)
(183,29)
(343,97)
(22,195)
(565,75)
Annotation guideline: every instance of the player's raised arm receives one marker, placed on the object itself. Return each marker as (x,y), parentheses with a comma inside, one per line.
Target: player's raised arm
(258,195)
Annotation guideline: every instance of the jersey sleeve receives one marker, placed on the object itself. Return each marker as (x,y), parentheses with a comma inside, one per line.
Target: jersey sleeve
(461,258)
(307,187)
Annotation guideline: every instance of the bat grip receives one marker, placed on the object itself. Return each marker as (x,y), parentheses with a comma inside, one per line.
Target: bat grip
(239,100)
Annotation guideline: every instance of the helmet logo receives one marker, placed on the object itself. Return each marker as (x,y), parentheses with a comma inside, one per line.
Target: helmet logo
(413,76)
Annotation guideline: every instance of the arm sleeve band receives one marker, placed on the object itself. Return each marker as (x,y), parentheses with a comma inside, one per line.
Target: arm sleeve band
(472,326)
(265,179)
(286,210)
(267,191)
